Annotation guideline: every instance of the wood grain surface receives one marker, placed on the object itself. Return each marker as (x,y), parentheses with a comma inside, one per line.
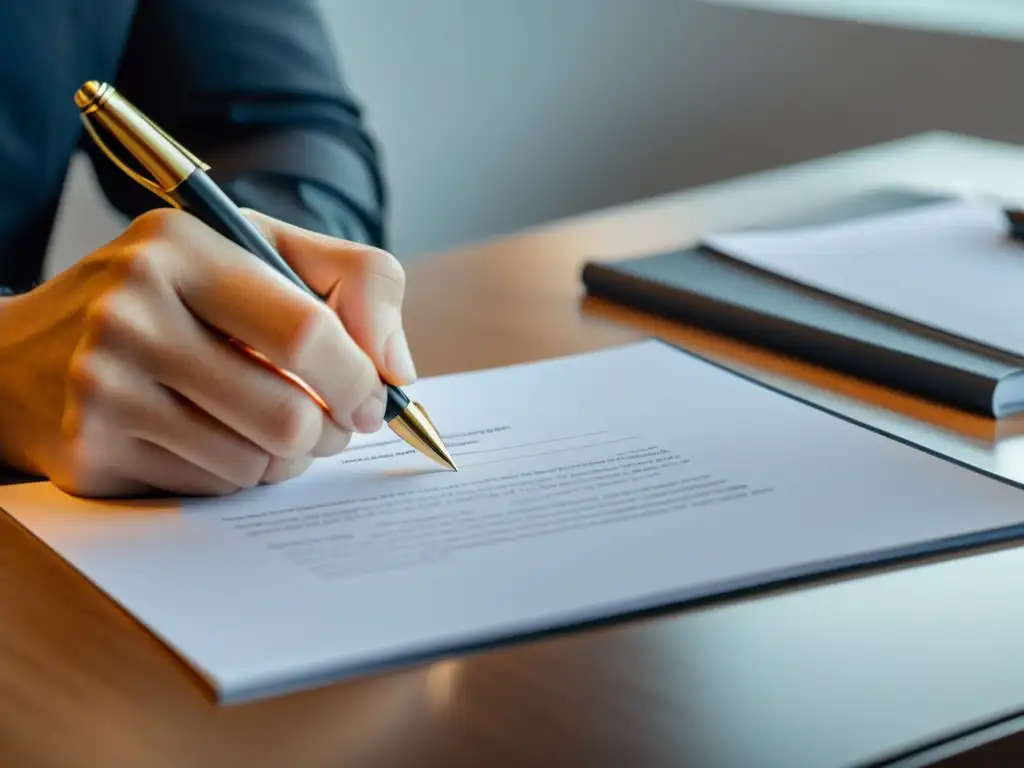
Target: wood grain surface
(836,673)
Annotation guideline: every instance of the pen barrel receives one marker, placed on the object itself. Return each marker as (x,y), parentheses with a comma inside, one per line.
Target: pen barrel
(200,196)
(396,403)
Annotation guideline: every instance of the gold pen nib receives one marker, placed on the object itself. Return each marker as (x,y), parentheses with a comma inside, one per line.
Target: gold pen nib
(413,426)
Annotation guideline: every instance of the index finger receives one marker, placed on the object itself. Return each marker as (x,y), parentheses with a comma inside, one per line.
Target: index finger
(364,285)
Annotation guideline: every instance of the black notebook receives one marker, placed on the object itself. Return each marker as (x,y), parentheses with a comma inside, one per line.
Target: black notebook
(700,287)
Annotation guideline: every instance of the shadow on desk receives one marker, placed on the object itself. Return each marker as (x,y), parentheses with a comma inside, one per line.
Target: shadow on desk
(998,744)
(10,476)
(820,385)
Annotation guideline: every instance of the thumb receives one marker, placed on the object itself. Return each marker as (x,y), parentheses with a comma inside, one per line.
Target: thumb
(365,286)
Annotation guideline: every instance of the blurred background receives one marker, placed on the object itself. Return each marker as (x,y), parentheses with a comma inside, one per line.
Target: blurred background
(494,116)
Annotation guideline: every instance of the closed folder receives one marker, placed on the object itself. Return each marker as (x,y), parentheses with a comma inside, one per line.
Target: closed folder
(702,288)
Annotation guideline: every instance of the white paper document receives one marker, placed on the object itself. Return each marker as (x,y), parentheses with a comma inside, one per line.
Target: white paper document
(590,487)
(948,266)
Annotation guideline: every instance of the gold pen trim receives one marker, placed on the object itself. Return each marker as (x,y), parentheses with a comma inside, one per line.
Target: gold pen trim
(168,161)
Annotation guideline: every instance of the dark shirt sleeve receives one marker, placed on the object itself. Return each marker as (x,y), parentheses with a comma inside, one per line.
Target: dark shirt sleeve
(254,89)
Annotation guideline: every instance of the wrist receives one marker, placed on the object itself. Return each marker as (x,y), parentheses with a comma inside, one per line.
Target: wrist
(15,409)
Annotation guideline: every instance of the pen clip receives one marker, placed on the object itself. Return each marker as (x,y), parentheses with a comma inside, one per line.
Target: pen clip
(149,184)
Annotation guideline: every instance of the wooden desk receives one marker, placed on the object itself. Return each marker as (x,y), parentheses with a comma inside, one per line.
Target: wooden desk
(833,674)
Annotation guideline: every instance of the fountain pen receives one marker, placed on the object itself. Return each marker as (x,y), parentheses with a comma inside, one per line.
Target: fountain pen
(180,179)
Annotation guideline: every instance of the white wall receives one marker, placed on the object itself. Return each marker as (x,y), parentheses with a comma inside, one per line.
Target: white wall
(495,116)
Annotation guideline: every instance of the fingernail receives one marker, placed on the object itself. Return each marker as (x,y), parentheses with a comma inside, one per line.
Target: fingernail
(369,416)
(399,358)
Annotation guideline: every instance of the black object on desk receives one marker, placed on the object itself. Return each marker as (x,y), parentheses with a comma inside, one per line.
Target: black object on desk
(699,286)
(1015,218)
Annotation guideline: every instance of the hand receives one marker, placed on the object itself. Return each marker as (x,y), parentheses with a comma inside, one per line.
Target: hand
(113,381)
